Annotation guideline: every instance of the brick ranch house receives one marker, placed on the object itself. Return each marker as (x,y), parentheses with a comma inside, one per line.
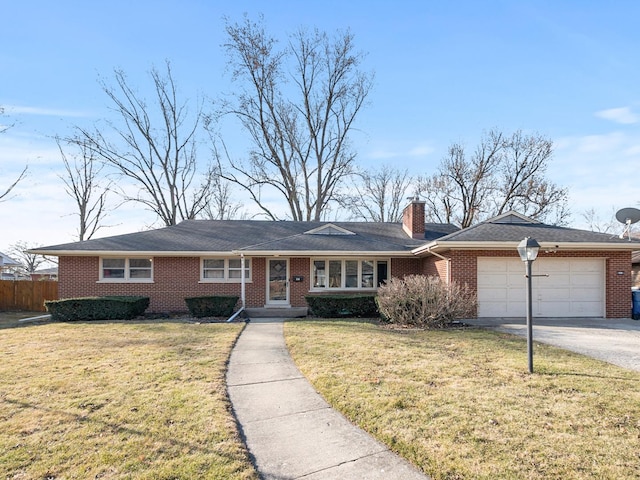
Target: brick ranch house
(589,274)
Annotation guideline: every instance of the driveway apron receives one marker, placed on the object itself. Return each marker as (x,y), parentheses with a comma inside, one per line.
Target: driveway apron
(290,431)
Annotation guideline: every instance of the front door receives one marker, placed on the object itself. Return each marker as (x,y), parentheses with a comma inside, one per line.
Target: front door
(278,281)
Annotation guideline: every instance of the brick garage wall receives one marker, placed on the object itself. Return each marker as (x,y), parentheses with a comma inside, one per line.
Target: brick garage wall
(618,286)
(174,279)
(434,266)
(464,269)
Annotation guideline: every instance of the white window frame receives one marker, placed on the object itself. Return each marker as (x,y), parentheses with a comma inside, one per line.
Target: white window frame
(343,276)
(248,266)
(127,271)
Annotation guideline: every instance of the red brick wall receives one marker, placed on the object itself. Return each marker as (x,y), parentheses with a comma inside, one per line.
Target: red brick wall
(174,279)
(464,269)
(401,267)
(256,292)
(298,290)
(618,287)
(436,267)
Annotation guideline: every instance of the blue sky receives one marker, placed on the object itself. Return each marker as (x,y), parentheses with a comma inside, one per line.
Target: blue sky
(445,72)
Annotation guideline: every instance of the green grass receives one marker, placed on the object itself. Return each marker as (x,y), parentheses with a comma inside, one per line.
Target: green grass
(460,404)
(116,400)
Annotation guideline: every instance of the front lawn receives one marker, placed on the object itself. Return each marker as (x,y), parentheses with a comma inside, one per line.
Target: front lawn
(460,404)
(143,400)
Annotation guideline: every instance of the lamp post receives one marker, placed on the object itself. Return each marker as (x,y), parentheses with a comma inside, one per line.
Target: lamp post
(528,251)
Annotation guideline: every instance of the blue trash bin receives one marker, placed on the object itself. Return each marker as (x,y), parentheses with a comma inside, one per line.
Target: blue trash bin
(635,302)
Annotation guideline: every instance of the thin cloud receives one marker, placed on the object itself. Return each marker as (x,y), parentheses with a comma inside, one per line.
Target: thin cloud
(41,111)
(417,151)
(622,115)
(420,151)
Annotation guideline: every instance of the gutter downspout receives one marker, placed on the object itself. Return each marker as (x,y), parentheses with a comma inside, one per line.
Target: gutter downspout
(242,281)
(448,260)
(234,316)
(242,291)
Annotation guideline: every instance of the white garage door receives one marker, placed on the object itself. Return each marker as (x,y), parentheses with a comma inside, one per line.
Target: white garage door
(574,288)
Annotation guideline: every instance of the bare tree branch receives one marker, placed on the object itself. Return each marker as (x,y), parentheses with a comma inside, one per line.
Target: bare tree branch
(378,195)
(299,129)
(29,261)
(85,185)
(504,173)
(4,195)
(156,148)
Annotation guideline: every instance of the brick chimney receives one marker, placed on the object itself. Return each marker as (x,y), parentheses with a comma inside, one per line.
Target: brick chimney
(413,218)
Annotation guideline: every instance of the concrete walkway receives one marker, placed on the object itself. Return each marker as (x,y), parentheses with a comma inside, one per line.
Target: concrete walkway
(291,432)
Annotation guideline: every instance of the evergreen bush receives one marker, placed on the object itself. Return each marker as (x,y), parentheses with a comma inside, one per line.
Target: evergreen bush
(212,306)
(97,308)
(332,306)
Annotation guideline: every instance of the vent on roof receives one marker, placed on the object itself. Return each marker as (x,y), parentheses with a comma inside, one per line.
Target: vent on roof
(329,229)
(512,217)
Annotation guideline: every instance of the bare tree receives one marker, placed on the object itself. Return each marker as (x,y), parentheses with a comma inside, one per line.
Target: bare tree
(30,261)
(298,105)
(610,224)
(378,195)
(86,185)
(595,223)
(7,190)
(503,173)
(155,148)
(221,205)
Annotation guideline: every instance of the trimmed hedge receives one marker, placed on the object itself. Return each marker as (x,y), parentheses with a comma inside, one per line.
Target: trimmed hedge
(213,306)
(97,308)
(331,306)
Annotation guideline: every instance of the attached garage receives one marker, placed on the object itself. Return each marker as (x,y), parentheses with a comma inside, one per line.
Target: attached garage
(564,287)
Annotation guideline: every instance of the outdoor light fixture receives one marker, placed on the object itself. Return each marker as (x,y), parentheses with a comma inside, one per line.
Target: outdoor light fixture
(528,251)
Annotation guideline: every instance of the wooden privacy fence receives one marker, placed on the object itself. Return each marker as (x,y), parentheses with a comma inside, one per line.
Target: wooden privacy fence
(26,294)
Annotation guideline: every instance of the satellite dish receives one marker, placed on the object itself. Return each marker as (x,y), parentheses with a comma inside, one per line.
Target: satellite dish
(628,216)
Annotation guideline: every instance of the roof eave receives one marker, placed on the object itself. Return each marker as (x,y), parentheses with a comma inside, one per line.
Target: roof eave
(248,253)
(511,245)
(323,253)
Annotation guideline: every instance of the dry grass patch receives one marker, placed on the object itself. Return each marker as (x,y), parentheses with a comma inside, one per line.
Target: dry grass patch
(118,400)
(460,404)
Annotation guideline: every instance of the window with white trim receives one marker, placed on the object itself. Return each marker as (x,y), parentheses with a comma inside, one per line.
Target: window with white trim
(224,270)
(348,274)
(125,269)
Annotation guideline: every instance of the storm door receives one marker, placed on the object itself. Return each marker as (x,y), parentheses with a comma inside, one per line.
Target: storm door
(278,281)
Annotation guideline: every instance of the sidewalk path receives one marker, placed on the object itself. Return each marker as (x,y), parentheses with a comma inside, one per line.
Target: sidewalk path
(290,430)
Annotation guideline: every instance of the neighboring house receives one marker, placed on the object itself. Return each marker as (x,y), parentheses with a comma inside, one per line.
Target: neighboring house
(635,269)
(45,274)
(8,267)
(276,264)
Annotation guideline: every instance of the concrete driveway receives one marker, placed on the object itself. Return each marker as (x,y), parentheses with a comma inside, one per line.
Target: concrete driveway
(615,341)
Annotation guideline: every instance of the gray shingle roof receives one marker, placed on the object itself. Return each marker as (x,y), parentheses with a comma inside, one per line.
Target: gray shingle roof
(513,228)
(201,236)
(255,235)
